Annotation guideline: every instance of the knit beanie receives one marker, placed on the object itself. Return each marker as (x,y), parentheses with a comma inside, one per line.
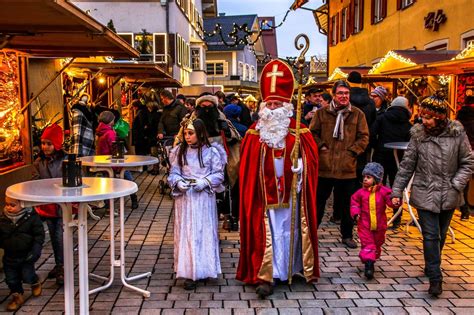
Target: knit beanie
(380,91)
(232,111)
(54,133)
(210,98)
(375,170)
(400,101)
(354,77)
(106,117)
(434,106)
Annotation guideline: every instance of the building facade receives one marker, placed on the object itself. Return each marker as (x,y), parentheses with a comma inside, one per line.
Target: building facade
(166,32)
(232,66)
(361,32)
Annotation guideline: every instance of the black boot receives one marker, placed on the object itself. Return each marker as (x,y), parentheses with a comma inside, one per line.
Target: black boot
(369,270)
(465,213)
(263,290)
(436,288)
(134,199)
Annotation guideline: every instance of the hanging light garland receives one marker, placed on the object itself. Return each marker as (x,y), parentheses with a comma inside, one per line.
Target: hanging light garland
(390,55)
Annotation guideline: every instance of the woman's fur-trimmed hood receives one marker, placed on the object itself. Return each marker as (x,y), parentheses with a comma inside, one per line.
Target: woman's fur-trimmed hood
(453,129)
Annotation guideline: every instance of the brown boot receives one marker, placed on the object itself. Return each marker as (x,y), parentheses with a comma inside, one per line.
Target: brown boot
(16,302)
(36,289)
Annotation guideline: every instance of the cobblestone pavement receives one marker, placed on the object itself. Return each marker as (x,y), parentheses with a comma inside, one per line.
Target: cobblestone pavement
(399,286)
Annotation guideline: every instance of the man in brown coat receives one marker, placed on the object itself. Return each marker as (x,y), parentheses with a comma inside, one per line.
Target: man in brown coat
(341,132)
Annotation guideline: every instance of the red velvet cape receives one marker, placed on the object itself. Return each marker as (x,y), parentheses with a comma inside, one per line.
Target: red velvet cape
(252,200)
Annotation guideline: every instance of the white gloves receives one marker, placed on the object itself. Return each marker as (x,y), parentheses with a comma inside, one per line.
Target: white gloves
(299,169)
(201,183)
(183,186)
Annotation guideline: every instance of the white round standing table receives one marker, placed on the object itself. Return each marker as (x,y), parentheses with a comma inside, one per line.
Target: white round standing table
(105,163)
(403,146)
(46,191)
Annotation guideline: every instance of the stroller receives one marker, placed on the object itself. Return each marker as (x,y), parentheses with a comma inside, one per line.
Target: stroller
(163,148)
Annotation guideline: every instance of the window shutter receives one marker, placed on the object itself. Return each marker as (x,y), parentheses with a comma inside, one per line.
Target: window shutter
(361,15)
(226,68)
(159,48)
(172,43)
(399,4)
(330,37)
(339,26)
(384,9)
(351,20)
(372,11)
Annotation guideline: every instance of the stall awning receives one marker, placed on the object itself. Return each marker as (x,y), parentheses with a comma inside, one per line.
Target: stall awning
(398,59)
(450,67)
(57,28)
(139,72)
(341,73)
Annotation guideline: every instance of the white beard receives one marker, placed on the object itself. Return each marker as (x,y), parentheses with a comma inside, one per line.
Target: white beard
(273,125)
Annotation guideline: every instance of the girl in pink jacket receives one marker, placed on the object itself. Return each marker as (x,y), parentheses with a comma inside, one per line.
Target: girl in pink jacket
(368,207)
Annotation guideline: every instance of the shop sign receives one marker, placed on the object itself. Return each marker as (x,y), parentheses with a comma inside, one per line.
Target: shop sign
(434,19)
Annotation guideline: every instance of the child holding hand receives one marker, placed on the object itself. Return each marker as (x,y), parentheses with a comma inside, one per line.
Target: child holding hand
(368,206)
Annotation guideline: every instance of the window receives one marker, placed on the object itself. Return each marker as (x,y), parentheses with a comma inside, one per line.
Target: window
(216,68)
(252,73)
(195,58)
(344,20)
(240,70)
(357,10)
(333,30)
(402,4)
(378,10)
(441,44)
(467,39)
(160,48)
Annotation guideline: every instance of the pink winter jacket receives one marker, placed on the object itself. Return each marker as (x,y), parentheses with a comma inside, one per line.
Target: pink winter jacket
(360,205)
(105,136)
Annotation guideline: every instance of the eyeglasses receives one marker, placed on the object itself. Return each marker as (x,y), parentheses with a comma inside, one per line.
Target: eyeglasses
(340,93)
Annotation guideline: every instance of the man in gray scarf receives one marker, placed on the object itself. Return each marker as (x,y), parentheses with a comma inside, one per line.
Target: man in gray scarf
(341,132)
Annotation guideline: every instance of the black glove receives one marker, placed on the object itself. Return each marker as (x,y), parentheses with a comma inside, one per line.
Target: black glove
(355,218)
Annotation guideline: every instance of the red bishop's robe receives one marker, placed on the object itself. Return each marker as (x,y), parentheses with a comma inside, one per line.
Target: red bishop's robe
(260,190)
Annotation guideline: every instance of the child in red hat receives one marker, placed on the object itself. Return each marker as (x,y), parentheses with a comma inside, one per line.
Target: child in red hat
(49,165)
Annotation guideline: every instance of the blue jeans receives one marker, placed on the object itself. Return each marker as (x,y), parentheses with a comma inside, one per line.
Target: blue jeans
(55,228)
(17,272)
(434,227)
(128,176)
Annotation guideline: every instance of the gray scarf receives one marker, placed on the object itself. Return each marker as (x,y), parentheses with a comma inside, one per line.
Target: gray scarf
(15,217)
(338,132)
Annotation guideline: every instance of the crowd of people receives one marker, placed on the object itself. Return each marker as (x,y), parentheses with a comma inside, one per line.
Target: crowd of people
(272,175)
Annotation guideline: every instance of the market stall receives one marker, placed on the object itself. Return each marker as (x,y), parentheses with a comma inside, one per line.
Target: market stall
(40,28)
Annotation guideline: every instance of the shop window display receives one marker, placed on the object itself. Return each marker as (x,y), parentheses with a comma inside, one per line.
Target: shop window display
(11,118)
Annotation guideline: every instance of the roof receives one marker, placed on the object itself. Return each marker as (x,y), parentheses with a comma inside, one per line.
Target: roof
(449,67)
(227,22)
(57,29)
(395,59)
(150,73)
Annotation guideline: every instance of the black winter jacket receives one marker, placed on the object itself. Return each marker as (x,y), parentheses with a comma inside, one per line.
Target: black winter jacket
(170,121)
(360,99)
(23,240)
(392,126)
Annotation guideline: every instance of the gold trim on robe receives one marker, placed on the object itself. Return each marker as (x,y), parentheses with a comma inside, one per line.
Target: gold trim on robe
(266,269)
